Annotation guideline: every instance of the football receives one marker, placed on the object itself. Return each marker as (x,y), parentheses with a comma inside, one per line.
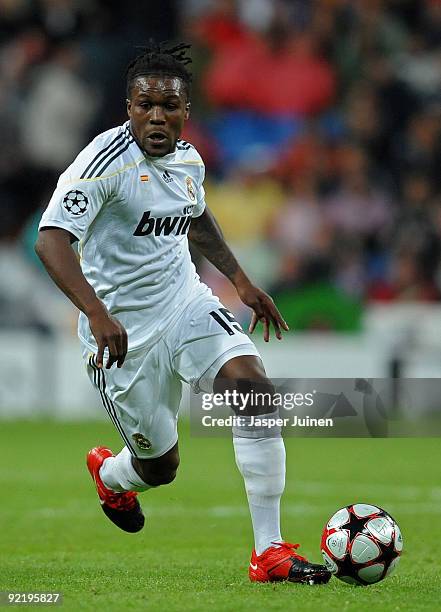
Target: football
(361,544)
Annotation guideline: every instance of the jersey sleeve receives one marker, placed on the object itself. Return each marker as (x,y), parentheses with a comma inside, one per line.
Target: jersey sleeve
(199,207)
(75,204)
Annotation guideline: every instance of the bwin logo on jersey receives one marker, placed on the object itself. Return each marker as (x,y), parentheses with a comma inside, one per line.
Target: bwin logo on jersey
(162,225)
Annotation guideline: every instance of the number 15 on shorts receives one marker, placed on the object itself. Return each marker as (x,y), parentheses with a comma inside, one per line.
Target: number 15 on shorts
(226,320)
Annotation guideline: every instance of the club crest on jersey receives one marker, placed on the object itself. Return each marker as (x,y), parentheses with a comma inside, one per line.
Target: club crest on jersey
(141,441)
(190,189)
(162,226)
(76,202)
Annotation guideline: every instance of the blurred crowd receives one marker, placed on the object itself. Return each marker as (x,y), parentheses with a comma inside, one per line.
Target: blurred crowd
(319,122)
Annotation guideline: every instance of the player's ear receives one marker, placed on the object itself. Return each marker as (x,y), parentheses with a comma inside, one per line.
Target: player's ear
(187,111)
(129,106)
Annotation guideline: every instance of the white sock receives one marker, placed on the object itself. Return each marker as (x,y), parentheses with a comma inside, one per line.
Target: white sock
(118,473)
(261,461)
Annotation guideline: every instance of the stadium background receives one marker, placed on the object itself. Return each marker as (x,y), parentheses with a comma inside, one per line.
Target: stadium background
(322,169)
(320,123)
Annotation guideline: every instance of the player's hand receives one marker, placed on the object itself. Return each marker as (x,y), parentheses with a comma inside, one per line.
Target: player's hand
(264,310)
(108,332)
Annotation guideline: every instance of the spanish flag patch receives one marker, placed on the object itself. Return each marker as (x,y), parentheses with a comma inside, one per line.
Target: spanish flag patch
(144,177)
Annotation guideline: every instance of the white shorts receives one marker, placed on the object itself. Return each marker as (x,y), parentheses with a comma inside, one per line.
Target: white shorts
(142,398)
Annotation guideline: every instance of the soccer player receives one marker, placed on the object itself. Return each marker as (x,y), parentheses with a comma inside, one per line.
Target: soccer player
(133,198)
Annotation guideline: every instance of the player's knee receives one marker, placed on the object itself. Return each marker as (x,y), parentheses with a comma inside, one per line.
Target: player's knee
(262,389)
(260,394)
(166,473)
(246,376)
(165,477)
(156,479)
(242,367)
(159,471)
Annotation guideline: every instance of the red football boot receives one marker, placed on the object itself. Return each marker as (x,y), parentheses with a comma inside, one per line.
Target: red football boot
(281,562)
(123,509)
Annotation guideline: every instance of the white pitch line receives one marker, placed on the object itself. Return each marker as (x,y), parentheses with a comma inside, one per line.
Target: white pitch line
(405,492)
(221,512)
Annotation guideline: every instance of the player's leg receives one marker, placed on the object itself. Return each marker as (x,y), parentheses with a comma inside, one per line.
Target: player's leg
(111,474)
(159,471)
(260,453)
(119,478)
(260,457)
(144,413)
(211,352)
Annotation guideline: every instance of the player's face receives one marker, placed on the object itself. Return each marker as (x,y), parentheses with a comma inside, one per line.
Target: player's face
(157,108)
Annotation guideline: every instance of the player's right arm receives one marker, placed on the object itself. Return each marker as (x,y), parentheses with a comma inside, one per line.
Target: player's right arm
(54,248)
(73,207)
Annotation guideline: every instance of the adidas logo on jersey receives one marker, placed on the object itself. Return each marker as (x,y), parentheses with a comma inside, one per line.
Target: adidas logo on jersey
(183,145)
(162,225)
(167,176)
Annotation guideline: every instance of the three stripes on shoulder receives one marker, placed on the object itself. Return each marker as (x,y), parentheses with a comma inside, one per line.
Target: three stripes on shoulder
(119,144)
(106,156)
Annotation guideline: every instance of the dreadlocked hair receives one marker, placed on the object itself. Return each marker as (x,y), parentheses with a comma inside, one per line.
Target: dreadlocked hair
(160,59)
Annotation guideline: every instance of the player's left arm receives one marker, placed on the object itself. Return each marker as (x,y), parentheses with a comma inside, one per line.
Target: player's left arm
(206,235)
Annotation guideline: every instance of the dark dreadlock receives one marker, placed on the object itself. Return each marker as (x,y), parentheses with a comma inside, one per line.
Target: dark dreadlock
(161,60)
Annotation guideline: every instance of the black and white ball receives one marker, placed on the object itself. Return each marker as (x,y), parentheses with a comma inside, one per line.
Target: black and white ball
(75,202)
(361,544)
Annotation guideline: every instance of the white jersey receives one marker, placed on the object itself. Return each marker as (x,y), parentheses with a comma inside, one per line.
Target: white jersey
(131,214)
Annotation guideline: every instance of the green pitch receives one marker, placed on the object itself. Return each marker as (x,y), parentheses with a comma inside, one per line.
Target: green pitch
(194,552)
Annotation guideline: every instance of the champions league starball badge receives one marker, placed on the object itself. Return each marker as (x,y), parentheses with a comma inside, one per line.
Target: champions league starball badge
(76,202)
